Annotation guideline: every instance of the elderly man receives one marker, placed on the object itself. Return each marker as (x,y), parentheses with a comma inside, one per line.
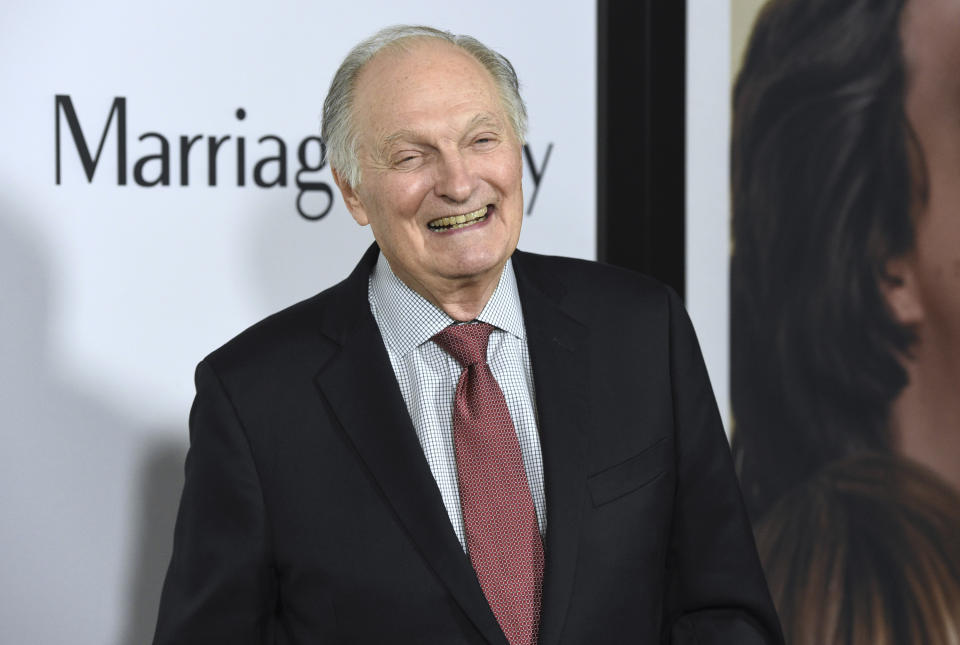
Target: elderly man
(459,443)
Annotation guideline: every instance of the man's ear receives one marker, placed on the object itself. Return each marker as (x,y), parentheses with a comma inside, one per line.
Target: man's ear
(900,289)
(351,199)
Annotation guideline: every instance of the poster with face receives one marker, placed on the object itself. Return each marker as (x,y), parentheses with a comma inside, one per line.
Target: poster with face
(845,311)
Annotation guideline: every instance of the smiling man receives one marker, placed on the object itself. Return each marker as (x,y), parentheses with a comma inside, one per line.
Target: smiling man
(460,443)
(439,176)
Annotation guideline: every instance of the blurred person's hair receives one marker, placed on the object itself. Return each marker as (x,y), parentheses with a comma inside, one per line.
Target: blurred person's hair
(867,552)
(824,167)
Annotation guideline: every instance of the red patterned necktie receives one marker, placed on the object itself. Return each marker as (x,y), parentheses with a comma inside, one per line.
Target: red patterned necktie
(498,514)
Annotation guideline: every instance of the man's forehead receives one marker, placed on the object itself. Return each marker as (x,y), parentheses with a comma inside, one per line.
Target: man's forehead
(410,93)
(410,60)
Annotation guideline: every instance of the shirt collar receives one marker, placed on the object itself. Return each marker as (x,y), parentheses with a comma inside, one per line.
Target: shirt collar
(409,319)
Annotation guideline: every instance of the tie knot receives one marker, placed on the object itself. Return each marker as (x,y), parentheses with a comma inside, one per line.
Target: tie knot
(466,343)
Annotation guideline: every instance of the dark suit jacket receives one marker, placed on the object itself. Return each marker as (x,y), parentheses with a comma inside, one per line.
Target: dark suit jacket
(309,514)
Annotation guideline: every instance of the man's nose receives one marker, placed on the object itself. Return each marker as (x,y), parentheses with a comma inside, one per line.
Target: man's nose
(456,179)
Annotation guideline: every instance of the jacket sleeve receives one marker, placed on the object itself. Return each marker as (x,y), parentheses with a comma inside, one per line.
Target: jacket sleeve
(220,587)
(716,592)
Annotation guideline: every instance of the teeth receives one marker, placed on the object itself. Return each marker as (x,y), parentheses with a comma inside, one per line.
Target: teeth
(458,221)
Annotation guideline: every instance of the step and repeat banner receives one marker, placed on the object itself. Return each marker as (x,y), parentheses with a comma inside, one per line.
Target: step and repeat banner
(824,229)
(162,189)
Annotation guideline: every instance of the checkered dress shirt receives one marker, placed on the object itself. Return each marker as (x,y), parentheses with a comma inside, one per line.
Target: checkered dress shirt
(428,376)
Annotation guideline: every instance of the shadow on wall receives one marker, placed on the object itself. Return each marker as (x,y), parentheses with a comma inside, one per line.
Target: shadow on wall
(88,498)
(160,485)
(291,259)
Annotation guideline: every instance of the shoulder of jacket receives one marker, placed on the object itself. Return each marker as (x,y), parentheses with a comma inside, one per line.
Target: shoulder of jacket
(591,280)
(297,329)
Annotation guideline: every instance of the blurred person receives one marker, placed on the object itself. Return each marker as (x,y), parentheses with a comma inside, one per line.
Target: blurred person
(845,274)
(867,552)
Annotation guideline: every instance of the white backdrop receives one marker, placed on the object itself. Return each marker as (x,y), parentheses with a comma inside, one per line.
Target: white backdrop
(708,188)
(111,293)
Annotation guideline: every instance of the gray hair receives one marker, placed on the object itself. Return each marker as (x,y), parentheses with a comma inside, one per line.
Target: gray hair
(339,132)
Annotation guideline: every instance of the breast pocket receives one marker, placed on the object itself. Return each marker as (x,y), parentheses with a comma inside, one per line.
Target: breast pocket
(630,475)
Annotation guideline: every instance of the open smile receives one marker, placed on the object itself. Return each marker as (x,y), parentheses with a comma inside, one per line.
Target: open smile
(459,221)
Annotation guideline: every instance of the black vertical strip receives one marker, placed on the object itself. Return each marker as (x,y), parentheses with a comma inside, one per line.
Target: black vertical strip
(641,85)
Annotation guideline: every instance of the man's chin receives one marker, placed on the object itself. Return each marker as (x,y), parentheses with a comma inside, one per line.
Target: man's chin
(475,267)
(469,276)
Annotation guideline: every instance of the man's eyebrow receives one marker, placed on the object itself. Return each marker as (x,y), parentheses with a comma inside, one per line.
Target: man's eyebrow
(483,119)
(399,135)
(479,120)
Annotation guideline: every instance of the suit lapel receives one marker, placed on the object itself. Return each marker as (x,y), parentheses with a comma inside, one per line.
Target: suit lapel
(359,384)
(558,351)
